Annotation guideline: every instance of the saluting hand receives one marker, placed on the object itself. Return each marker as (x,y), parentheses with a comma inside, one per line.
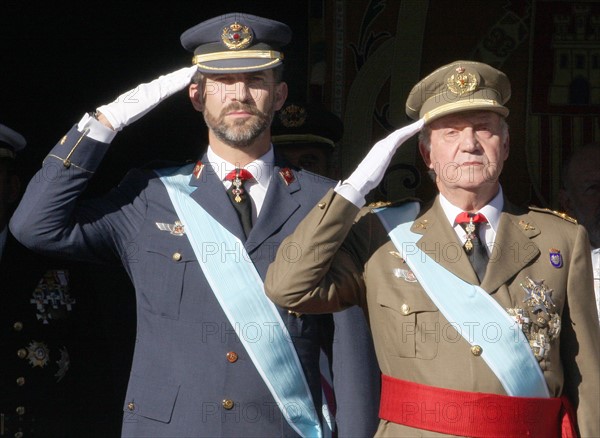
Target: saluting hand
(371,169)
(133,104)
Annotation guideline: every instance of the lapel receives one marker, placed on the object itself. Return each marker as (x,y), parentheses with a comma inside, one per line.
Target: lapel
(277,208)
(513,248)
(212,197)
(439,240)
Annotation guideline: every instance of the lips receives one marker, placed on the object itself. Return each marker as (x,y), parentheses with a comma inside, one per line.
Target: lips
(239,110)
(239,113)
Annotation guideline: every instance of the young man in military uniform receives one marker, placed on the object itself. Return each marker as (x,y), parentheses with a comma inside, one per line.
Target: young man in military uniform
(480,310)
(212,354)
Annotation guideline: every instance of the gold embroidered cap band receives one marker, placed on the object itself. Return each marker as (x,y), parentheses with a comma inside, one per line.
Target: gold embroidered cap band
(236,42)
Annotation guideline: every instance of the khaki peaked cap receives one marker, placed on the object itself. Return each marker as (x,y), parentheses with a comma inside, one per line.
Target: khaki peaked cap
(457,87)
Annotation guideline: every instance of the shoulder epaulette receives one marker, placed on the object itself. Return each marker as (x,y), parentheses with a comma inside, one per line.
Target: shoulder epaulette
(379,204)
(560,214)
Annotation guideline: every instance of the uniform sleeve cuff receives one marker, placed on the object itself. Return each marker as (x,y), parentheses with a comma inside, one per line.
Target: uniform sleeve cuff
(348,192)
(96,130)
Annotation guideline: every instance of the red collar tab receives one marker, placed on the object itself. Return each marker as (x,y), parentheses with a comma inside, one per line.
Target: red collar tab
(287,175)
(198,169)
(465,218)
(241,174)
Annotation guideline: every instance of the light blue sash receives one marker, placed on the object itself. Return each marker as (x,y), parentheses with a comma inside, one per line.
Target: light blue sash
(239,290)
(471,310)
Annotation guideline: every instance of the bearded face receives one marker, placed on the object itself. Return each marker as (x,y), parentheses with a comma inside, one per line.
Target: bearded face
(239,131)
(239,107)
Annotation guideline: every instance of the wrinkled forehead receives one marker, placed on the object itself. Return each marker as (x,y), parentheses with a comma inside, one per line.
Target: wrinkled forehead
(466,118)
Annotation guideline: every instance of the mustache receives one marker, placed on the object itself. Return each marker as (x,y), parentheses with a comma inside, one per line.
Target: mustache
(237,106)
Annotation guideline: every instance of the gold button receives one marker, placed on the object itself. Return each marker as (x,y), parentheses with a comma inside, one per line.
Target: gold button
(67,163)
(20,410)
(322,205)
(131,406)
(476,350)
(176,256)
(18,326)
(62,140)
(227,404)
(22,353)
(232,356)
(405,309)
(21,381)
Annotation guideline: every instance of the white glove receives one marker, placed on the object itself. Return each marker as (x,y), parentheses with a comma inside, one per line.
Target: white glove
(371,169)
(133,104)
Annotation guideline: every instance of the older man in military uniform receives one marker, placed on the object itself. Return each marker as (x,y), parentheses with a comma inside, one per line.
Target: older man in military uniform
(213,356)
(480,310)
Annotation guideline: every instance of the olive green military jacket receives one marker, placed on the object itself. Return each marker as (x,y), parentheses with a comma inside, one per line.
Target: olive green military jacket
(340,256)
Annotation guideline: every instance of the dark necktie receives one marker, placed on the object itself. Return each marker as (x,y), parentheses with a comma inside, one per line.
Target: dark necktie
(475,250)
(240,198)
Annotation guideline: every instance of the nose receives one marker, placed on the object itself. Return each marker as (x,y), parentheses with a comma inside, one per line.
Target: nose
(237,91)
(469,142)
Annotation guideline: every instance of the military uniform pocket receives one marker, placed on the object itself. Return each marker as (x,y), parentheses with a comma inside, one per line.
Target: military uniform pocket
(162,276)
(149,399)
(412,322)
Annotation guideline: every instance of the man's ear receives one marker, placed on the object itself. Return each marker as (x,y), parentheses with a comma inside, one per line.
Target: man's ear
(196,97)
(281,94)
(506,146)
(426,154)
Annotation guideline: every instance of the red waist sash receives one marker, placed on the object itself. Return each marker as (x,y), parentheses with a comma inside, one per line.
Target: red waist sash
(474,414)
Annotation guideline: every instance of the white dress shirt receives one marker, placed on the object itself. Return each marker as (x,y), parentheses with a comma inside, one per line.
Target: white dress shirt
(487,231)
(261,169)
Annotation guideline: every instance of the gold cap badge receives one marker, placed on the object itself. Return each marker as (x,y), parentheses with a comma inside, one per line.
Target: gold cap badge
(461,82)
(236,36)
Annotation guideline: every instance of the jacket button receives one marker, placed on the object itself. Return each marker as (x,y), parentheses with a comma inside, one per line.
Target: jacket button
(232,356)
(476,350)
(20,410)
(227,404)
(131,406)
(22,353)
(21,381)
(405,309)
(322,205)
(18,326)
(176,256)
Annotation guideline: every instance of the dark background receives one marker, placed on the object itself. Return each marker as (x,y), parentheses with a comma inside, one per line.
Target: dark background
(59,60)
